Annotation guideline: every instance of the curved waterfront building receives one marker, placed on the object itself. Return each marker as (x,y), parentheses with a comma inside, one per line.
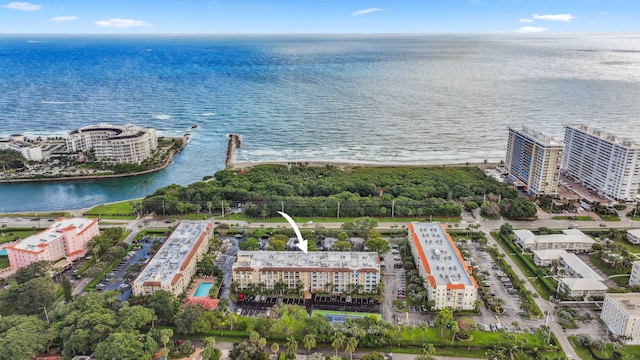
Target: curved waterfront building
(114,144)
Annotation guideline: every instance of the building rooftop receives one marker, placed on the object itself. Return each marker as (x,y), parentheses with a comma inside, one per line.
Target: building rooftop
(579,266)
(168,261)
(568,235)
(38,241)
(312,259)
(536,136)
(439,255)
(612,138)
(626,301)
(548,254)
(579,284)
(634,232)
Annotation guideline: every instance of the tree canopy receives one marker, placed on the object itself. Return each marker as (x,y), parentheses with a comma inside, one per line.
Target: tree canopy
(327,191)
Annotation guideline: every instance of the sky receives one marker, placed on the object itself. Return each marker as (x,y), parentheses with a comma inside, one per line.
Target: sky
(317,16)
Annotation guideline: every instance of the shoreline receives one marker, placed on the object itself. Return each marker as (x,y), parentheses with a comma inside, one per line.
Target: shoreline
(352,164)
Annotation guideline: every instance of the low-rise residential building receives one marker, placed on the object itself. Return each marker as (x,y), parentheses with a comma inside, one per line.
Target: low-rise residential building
(634,279)
(582,288)
(546,257)
(447,277)
(575,267)
(114,144)
(572,240)
(621,315)
(633,236)
(174,265)
(66,238)
(331,271)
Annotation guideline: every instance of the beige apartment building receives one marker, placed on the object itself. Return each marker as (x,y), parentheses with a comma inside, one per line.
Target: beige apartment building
(315,271)
(174,265)
(621,314)
(447,277)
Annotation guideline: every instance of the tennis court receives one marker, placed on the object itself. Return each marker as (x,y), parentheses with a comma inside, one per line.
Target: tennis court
(340,316)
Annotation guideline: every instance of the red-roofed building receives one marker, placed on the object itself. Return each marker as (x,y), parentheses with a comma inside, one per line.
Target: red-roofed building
(447,277)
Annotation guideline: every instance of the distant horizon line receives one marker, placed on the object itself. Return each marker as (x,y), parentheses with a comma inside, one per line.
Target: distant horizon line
(321,34)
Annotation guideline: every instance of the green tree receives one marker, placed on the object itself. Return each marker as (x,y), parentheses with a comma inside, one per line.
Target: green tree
(444,317)
(309,342)
(343,236)
(163,304)
(506,229)
(373,356)
(277,244)
(275,347)
(165,336)
(338,341)
(350,346)
(247,350)
(209,351)
(191,320)
(134,317)
(250,244)
(126,345)
(341,246)
(292,345)
(22,337)
(378,245)
(67,289)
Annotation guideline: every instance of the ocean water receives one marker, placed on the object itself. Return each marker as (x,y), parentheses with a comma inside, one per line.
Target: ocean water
(396,98)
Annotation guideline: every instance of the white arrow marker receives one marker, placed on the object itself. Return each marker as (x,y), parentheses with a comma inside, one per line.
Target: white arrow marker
(301,244)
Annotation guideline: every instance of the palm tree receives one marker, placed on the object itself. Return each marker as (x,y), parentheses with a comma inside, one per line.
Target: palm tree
(275,347)
(165,336)
(338,341)
(350,346)
(309,342)
(495,353)
(292,345)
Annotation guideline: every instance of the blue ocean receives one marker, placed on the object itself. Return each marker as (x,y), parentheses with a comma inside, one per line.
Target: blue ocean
(416,99)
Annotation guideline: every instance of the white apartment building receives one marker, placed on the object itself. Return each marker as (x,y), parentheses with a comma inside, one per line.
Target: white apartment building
(633,236)
(533,159)
(174,265)
(114,144)
(572,240)
(331,271)
(621,315)
(634,279)
(602,162)
(447,277)
(16,143)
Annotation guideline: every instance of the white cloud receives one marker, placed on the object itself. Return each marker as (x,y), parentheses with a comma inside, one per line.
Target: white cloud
(366,11)
(64,18)
(555,17)
(24,6)
(122,23)
(526,20)
(530,29)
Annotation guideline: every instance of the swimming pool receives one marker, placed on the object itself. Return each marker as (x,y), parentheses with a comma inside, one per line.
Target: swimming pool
(203,289)
(4,252)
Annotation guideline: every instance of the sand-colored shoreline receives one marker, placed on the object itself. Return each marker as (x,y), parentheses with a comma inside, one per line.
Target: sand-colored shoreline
(352,164)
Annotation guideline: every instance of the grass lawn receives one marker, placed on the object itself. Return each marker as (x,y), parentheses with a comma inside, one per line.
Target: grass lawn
(622,281)
(576,218)
(633,351)
(10,234)
(4,262)
(595,260)
(343,313)
(119,210)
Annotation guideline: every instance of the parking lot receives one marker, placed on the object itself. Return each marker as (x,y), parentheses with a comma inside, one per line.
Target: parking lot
(115,280)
